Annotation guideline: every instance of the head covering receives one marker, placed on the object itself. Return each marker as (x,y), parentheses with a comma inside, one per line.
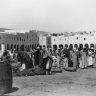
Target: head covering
(92,48)
(38,47)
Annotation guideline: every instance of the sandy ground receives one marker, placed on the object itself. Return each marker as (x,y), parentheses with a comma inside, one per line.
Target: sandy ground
(80,83)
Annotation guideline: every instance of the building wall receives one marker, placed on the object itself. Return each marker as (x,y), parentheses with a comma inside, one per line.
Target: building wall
(31,39)
(84,38)
(54,41)
(23,40)
(60,40)
(26,40)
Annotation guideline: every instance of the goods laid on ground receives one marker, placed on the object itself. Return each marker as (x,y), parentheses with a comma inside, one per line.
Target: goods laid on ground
(71,69)
(26,72)
(56,70)
(5,77)
(39,71)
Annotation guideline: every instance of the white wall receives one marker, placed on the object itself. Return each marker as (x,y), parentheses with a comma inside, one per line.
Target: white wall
(76,39)
(54,41)
(61,40)
(42,40)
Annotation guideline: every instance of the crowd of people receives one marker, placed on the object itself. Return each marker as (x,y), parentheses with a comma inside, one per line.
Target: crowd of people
(65,57)
(77,57)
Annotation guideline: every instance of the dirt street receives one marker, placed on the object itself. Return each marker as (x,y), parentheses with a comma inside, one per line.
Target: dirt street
(80,83)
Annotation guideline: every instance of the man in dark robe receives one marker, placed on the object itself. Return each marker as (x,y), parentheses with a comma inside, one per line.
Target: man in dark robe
(38,56)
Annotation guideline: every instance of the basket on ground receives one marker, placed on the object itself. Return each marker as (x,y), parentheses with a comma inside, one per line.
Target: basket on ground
(71,69)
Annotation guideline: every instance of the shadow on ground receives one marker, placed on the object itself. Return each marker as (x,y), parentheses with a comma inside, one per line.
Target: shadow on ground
(14,89)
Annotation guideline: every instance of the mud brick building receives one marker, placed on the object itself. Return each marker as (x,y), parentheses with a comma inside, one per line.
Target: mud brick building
(21,39)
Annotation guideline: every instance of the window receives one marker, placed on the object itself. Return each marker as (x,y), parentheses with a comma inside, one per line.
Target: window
(15,46)
(77,37)
(54,39)
(27,37)
(20,38)
(0,37)
(84,38)
(81,33)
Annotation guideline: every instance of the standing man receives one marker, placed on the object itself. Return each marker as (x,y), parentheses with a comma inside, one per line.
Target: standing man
(46,59)
(36,57)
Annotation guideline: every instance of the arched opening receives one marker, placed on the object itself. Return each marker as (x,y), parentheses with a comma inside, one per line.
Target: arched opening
(32,47)
(15,46)
(60,46)
(80,47)
(76,46)
(71,47)
(26,48)
(54,47)
(86,45)
(7,46)
(91,45)
(66,45)
(18,48)
(11,46)
(48,46)
(22,47)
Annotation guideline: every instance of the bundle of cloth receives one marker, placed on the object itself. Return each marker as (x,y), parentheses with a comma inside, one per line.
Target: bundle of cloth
(26,61)
(55,61)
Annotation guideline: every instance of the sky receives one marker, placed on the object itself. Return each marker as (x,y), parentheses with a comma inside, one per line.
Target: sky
(48,15)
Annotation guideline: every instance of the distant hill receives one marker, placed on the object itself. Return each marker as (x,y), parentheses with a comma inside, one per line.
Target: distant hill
(3,29)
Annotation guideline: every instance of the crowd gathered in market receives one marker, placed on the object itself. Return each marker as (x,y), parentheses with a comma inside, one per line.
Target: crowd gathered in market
(46,58)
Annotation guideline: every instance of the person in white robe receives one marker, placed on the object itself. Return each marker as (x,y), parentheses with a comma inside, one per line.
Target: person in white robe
(90,57)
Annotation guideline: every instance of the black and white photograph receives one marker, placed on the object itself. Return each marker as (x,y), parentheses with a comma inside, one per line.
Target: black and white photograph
(47,47)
